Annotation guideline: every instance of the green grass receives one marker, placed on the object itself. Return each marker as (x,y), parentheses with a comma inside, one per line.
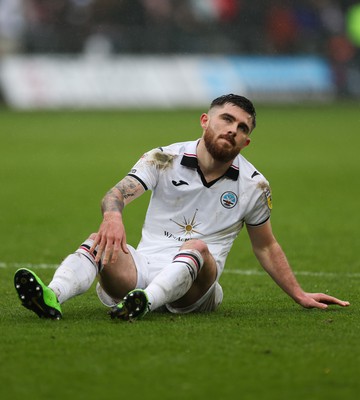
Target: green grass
(54,169)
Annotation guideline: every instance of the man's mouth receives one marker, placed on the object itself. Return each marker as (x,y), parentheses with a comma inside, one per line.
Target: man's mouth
(228,139)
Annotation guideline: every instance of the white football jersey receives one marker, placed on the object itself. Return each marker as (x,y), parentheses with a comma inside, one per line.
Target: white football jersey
(184,206)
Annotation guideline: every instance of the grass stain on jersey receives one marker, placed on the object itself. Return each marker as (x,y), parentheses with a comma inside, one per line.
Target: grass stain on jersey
(161,160)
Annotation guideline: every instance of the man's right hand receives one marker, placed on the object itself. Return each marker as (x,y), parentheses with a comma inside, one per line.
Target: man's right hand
(110,239)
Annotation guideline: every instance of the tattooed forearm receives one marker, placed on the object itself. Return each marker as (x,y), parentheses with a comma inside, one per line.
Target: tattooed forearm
(120,195)
(127,187)
(112,201)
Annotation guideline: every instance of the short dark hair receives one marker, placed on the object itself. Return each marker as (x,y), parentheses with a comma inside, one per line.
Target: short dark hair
(237,100)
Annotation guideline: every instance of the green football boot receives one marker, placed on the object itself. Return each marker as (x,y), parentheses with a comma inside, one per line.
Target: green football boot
(35,295)
(134,305)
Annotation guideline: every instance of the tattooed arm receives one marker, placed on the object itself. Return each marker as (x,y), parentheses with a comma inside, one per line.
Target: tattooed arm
(111,237)
(121,194)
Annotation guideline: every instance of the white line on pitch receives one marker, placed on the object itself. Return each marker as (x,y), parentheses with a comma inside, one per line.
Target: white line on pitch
(302,273)
(27,265)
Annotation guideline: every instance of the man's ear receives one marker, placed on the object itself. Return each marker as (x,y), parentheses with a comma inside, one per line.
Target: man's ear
(247,142)
(204,119)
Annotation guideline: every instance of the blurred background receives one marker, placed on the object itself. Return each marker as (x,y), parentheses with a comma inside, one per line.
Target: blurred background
(171,53)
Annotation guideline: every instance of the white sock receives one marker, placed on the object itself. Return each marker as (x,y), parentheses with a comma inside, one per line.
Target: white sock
(175,279)
(75,274)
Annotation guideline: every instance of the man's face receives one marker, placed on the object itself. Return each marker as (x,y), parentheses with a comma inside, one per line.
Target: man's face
(226,131)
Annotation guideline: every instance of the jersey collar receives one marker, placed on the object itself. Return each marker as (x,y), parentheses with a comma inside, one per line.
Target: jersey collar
(190,160)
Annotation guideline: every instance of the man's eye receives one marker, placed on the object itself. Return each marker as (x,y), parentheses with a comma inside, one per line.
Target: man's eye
(244,128)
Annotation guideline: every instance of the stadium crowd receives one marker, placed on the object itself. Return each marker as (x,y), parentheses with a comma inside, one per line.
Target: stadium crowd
(183,26)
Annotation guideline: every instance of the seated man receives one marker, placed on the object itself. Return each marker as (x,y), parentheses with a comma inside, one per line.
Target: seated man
(203,192)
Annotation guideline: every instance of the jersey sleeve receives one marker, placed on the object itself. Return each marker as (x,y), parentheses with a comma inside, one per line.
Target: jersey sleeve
(261,210)
(148,167)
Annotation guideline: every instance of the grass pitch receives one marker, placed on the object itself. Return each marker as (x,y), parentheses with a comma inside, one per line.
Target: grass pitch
(55,168)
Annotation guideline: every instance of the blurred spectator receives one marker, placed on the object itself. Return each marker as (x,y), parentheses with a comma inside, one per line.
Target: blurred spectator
(12,26)
(101,27)
(340,53)
(282,28)
(53,26)
(331,15)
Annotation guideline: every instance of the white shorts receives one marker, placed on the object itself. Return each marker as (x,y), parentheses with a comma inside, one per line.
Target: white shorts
(147,268)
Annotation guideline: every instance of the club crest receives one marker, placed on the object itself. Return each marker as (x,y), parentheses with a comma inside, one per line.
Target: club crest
(228,199)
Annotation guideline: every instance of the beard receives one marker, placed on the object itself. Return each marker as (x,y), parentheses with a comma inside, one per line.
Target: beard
(217,150)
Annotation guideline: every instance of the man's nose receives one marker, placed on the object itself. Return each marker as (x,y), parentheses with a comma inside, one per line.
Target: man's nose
(232,130)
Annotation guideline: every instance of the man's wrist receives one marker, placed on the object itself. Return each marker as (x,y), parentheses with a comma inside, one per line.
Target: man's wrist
(107,215)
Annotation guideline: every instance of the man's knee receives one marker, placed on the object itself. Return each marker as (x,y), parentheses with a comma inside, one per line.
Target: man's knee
(198,245)
(209,273)
(201,247)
